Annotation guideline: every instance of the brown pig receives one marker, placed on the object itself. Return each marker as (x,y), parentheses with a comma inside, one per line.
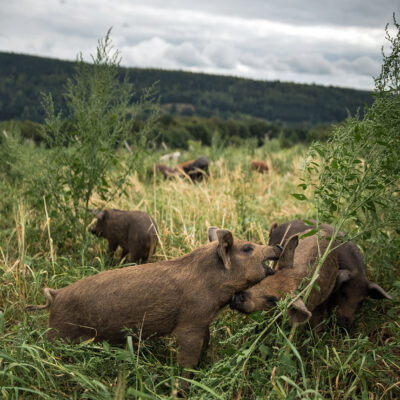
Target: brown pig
(180,296)
(297,261)
(352,285)
(196,169)
(166,171)
(134,231)
(259,166)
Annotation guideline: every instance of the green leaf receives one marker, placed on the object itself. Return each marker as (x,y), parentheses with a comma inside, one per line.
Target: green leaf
(302,185)
(310,233)
(2,322)
(299,196)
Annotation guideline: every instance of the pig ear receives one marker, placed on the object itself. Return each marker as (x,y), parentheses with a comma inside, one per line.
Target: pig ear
(287,256)
(212,233)
(273,226)
(342,277)
(225,243)
(376,292)
(99,214)
(299,313)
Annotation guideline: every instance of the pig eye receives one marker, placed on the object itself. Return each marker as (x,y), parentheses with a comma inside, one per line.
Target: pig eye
(247,248)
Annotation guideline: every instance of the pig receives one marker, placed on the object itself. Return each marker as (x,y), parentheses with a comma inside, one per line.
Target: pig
(259,166)
(296,262)
(352,285)
(180,296)
(134,231)
(166,171)
(195,169)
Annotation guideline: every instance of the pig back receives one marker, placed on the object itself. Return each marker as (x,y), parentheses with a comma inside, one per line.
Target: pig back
(105,303)
(305,263)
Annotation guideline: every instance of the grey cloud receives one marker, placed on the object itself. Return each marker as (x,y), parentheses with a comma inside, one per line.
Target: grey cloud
(221,55)
(185,54)
(367,13)
(257,39)
(314,64)
(361,65)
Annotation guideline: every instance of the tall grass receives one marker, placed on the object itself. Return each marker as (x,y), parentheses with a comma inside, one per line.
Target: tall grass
(248,357)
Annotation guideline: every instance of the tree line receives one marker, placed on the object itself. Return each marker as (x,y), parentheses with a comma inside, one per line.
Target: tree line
(24,78)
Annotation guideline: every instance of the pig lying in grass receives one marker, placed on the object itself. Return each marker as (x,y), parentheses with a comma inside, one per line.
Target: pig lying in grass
(180,296)
(297,261)
(352,285)
(134,231)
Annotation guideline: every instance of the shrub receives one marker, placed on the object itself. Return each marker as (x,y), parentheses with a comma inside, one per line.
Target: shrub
(85,146)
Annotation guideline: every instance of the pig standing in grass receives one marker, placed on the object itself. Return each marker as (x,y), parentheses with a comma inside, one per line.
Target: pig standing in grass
(352,285)
(134,231)
(297,261)
(196,169)
(180,296)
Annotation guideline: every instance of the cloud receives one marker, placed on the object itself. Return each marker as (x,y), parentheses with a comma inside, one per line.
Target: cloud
(186,54)
(360,13)
(318,42)
(221,55)
(314,64)
(361,65)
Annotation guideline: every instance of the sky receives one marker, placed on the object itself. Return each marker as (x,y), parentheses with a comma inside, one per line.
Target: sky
(310,41)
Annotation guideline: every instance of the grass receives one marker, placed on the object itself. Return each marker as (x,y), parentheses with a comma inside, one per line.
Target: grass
(248,357)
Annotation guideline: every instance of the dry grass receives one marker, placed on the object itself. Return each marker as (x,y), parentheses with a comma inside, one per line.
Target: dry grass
(333,366)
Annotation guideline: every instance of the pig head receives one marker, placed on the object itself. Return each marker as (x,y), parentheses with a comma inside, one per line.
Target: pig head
(297,261)
(179,296)
(352,285)
(134,231)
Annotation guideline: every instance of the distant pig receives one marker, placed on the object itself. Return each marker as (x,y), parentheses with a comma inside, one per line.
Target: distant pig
(196,169)
(259,166)
(166,171)
(134,231)
(297,261)
(180,296)
(352,285)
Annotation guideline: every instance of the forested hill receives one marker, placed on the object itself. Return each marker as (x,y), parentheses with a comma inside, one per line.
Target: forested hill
(23,78)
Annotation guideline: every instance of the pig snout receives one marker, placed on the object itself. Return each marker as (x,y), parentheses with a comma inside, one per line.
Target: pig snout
(237,301)
(94,231)
(267,269)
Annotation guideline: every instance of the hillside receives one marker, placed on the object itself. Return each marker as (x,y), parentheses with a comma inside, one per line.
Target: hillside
(24,77)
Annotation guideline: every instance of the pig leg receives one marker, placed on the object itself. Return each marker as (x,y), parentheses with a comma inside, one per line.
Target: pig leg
(112,246)
(124,253)
(206,341)
(316,319)
(191,341)
(206,338)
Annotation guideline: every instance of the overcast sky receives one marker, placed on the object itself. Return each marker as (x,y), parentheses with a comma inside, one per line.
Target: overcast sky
(312,41)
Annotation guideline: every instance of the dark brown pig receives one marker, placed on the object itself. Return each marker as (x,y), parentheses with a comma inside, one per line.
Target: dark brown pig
(297,261)
(196,169)
(259,166)
(180,296)
(352,285)
(134,231)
